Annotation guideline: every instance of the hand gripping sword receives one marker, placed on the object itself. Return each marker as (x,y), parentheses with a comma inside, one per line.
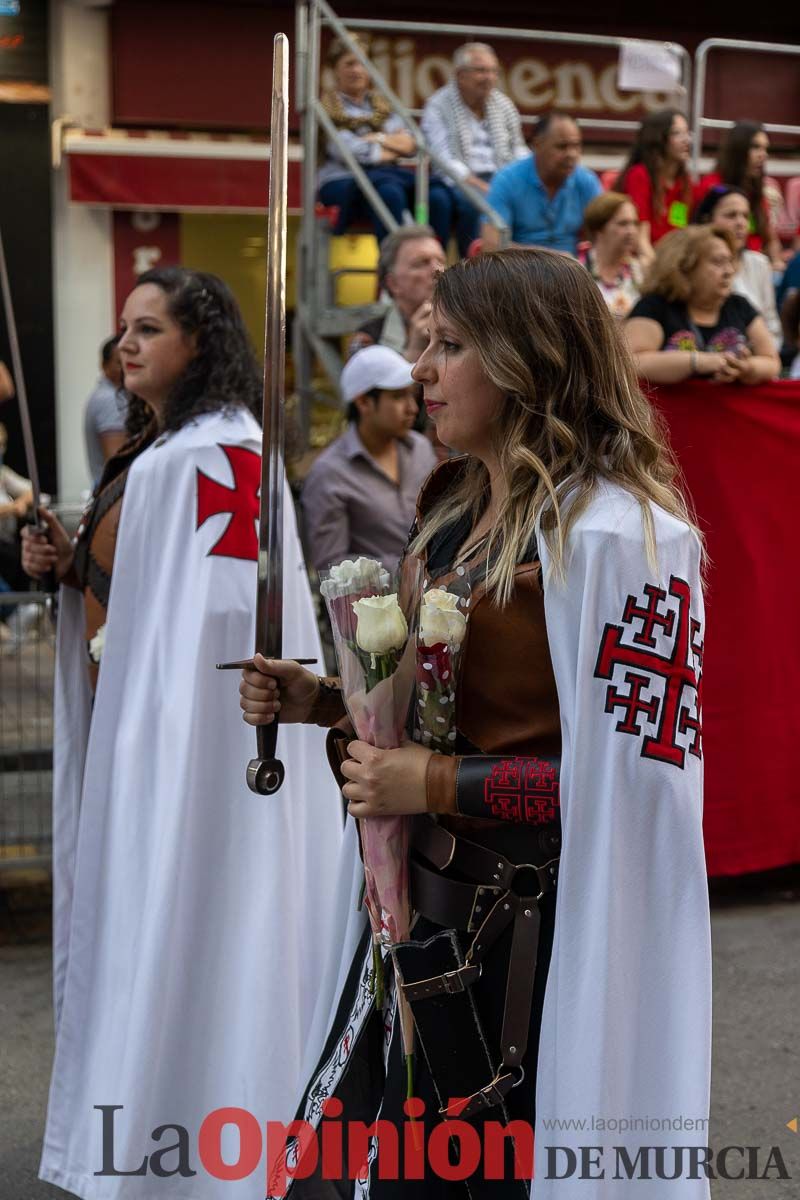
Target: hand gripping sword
(265,772)
(22,399)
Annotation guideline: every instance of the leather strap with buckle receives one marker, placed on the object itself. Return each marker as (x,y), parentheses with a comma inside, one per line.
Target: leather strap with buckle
(485,908)
(487,1097)
(451,982)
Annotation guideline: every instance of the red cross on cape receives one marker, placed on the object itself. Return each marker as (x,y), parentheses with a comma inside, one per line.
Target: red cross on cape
(239,538)
(680,671)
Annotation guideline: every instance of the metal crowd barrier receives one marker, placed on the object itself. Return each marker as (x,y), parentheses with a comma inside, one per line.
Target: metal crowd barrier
(27,661)
(699,120)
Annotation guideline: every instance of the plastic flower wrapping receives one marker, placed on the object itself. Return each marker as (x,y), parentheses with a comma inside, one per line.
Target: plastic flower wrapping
(374,621)
(441,633)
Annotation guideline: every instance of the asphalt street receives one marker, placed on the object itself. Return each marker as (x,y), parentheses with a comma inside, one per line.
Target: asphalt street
(756,1082)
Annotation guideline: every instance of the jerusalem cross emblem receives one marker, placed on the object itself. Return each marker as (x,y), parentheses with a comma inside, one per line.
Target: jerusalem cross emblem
(663,684)
(240,500)
(523,789)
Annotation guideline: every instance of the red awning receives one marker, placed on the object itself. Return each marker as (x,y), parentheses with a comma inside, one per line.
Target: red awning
(167,172)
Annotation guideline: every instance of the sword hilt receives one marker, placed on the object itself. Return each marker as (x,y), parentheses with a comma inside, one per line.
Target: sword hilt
(265,773)
(47,583)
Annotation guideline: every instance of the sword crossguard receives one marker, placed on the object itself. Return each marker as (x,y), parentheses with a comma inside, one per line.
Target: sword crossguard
(265,775)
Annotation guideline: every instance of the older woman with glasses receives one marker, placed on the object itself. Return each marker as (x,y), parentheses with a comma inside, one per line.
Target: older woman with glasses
(689,324)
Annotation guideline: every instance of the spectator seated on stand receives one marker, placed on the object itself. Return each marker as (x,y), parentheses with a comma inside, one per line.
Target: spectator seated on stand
(542,197)
(688,323)
(16,498)
(790,315)
(729,208)
(360,495)
(790,280)
(742,163)
(377,139)
(613,229)
(476,128)
(656,177)
(106,412)
(410,259)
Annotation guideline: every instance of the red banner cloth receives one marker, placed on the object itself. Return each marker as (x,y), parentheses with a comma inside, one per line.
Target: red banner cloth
(739,449)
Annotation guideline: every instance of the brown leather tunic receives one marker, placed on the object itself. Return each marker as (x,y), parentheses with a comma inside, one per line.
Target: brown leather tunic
(506,697)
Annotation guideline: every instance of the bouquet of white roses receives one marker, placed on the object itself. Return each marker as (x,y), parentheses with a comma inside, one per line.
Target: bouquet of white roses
(374,621)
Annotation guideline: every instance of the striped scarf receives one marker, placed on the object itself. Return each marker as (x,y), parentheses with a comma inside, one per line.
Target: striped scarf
(458,116)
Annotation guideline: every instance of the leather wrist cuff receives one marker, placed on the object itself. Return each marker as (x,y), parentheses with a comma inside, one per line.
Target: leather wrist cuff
(517,789)
(336,744)
(328,708)
(440,783)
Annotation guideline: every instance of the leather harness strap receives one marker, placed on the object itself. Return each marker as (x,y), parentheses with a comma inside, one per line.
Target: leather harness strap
(487,909)
(88,570)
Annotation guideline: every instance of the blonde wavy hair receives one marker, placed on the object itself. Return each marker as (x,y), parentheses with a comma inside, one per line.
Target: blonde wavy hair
(677,256)
(574,412)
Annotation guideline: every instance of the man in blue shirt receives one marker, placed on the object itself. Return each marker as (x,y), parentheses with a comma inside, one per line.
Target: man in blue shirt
(542,197)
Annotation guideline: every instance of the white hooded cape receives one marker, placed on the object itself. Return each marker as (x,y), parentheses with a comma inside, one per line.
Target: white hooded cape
(625,1048)
(626,1031)
(191,916)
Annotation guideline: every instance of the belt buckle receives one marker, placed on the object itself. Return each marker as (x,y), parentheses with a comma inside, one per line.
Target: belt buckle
(453,982)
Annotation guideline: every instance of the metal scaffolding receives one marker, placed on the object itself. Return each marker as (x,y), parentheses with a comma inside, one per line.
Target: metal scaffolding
(319,321)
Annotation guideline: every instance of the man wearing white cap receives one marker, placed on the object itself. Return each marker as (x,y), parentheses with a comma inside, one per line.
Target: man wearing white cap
(360,495)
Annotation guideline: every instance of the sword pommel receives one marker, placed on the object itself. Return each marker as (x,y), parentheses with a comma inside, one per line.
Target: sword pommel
(264,776)
(265,773)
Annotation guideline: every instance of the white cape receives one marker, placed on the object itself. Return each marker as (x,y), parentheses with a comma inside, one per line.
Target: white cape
(191,916)
(626,1031)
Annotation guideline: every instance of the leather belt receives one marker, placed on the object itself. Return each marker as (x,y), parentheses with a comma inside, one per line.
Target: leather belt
(485,908)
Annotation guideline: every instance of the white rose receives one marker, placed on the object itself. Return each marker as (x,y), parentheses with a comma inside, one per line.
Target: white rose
(97,645)
(440,620)
(354,575)
(381,625)
(439,598)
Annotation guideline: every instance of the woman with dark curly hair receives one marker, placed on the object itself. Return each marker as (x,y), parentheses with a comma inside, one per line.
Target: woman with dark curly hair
(174,959)
(656,177)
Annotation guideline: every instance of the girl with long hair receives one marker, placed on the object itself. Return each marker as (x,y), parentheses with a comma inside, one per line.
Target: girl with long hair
(656,177)
(742,163)
(575,771)
(167,871)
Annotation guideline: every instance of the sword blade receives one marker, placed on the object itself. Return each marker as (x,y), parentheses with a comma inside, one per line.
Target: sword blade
(269,605)
(265,773)
(19,382)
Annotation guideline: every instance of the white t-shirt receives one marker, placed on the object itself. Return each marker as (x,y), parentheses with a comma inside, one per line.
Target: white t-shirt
(753,280)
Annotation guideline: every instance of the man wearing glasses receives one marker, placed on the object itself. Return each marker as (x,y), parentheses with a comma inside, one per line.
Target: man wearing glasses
(475,128)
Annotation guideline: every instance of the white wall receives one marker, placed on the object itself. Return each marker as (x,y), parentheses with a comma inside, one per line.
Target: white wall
(82,237)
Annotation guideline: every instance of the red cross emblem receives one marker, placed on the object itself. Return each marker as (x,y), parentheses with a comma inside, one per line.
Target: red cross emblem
(239,538)
(677,712)
(522,789)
